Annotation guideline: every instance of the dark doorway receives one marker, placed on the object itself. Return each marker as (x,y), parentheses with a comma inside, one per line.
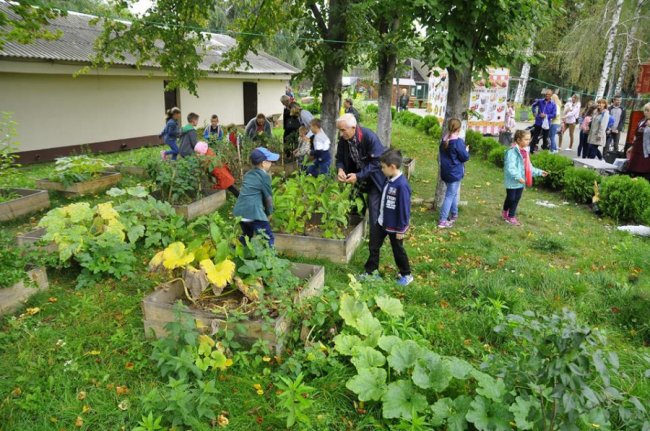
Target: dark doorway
(171,97)
(250,101)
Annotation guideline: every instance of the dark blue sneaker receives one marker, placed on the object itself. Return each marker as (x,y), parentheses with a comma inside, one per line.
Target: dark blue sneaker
(405,280)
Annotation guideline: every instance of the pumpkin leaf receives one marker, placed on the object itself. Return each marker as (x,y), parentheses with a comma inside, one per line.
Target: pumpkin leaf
(220,274)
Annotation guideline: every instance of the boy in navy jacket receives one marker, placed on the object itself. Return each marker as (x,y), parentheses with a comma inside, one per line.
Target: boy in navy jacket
(394,217)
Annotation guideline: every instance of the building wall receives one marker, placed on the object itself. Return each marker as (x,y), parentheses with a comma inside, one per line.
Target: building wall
(60,111)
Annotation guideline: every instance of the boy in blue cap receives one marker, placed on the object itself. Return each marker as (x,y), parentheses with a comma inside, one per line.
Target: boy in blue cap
(255,202)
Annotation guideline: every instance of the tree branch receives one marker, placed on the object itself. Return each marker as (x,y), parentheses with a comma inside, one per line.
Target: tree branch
(319,20)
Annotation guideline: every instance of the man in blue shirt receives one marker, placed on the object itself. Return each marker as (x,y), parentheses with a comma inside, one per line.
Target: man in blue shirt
(544,110)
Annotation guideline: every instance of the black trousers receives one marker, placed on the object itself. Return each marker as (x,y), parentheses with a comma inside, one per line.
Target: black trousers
(399,253)
(513,196)
(537,132)
(594,152)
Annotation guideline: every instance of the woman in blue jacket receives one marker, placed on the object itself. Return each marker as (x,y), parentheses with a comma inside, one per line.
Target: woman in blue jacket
(453,155)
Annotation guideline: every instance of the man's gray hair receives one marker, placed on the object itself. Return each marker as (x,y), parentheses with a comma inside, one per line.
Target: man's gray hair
(348,119)
(284,99)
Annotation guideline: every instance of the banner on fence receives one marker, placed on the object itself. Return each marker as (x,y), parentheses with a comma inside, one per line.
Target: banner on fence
(489,99)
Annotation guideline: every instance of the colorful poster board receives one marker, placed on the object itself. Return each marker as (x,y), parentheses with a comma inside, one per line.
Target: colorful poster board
(643,80)
(438,89)
(489,99)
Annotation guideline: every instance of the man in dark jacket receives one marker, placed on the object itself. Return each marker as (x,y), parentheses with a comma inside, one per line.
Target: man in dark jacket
(357,162)
(291,124)
(544,110)
(349,109)
(188,137)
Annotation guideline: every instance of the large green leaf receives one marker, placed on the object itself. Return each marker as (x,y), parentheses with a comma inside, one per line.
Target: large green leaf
(488,416)
(521,409)
(386,342)
(356,314)
(368,324)
(402,399)
(367,357)
(369,384)
(432,372)
(391,306)
(451,411)
(344,343)
(460,369)
(403,355)
(489,387)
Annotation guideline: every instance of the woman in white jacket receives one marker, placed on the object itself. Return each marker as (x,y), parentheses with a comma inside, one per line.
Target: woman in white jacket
(598,131)
(570,116)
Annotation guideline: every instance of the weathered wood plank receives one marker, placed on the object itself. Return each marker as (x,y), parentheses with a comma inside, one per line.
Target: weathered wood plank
(31,238)
(29,201)
(409,167)
(99,184)
(204,206)
(14,297)
(157,309)
(334,250)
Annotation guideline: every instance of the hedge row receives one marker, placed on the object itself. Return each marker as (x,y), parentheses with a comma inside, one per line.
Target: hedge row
(427,124)
(622,198)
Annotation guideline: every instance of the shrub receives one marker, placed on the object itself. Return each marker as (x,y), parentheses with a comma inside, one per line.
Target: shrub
(624,198)
(314,108)
(579,184)
(408,118)
(497,156)
(427,123)
(555,165)
(393,112)
(373,109)
(473,139)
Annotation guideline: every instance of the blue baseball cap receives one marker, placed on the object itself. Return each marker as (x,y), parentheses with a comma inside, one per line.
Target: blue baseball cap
(261,154)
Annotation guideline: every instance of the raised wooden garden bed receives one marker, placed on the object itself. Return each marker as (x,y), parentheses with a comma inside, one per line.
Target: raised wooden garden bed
(136,171)
(203,206)
(334,250)
(157,309)
(12,298)
(29,201)
(409,167)
(31,238)
(99,184)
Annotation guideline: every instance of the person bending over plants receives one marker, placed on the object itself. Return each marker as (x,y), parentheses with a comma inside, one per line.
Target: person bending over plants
(321,151)
(255,202)
(222,175)
(394,218)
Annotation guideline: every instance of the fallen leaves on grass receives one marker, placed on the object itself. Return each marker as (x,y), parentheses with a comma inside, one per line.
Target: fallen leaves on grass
(123,405)
(79,422)
(81,395)
(16,392)
(52,299)
(129,365)
(121,390)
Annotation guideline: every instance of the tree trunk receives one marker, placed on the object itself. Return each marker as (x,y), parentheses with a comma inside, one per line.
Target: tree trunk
(523,77)
(609,52)
(460,87)
(628,49)
(386,72)
(333,74)
(612,72)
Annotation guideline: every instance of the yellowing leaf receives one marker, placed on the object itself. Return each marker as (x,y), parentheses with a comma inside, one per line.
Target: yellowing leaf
(85,409)
(106,211)
(222,421)
(79,422)
(205,339)
(93,352)
(175,256)
(156,261)
(81,395)
(221,274)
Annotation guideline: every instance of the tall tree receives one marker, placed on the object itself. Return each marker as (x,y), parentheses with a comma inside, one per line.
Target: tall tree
(467,37)
(629,44)
(525,74)
(609,51)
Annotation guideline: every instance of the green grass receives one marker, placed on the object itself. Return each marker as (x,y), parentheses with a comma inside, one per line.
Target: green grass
(465,279)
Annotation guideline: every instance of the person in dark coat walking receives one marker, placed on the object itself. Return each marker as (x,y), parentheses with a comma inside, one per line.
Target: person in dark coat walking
(349,109)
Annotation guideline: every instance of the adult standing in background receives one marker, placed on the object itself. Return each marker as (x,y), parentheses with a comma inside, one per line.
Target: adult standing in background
(544,111)
(349,109)
(556,124)
(598,131)
(639,153)
(290,123)
(403,103)
(357,162)
(303,115)
(617,112)
(570,115)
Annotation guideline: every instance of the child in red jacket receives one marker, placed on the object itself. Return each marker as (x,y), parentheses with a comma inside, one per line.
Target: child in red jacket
(224,179)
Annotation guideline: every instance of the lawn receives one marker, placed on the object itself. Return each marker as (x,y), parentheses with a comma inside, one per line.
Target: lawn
(79,358)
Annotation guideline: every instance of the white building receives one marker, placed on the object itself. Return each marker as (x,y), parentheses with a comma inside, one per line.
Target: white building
(120,107)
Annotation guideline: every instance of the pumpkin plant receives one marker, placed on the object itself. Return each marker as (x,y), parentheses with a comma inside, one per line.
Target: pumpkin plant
(76,169)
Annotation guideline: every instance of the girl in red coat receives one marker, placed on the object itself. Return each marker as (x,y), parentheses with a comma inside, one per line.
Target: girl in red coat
(224,179)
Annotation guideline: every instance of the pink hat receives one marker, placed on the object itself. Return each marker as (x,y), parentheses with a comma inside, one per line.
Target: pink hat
(201,147)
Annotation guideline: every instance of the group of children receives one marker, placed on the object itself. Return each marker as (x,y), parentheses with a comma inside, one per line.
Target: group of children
(518,173)
(255,200)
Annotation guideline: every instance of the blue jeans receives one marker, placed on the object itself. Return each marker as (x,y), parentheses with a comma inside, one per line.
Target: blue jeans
(583,146)
(450,204)
(321,166)
(252,228)
(173,151)
(554,129)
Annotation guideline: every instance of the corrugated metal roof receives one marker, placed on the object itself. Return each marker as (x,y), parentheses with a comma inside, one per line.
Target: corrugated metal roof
(77,42)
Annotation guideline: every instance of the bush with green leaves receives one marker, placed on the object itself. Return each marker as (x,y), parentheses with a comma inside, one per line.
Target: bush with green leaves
(180,181)
(371,108)
(562,377)
(485,146)
(16,261)
(408,118)
(624,198)
(497,156)
(473,139)
(555,165)
(314,107)
(579,184)
(77,169)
